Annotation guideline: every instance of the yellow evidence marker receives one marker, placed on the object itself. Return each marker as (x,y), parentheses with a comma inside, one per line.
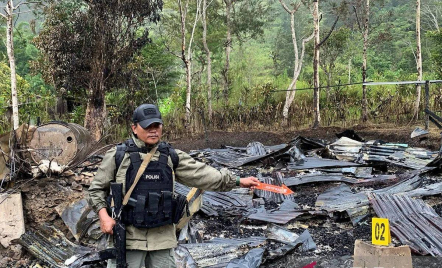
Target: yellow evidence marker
(380,232)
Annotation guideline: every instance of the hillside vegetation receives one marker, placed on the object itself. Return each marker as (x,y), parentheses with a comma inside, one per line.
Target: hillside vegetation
(55,53)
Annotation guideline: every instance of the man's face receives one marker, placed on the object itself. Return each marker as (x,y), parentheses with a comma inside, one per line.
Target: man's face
(150,135)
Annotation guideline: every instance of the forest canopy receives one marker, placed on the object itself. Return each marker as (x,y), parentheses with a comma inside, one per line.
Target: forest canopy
(218,64)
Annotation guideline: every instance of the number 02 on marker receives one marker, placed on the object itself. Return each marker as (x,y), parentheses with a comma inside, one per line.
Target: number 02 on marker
(380,232)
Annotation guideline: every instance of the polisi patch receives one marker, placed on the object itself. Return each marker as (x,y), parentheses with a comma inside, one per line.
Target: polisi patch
(149,111)
(152,176)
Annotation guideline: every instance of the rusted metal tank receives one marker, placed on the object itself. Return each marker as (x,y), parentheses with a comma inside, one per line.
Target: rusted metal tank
(60,141)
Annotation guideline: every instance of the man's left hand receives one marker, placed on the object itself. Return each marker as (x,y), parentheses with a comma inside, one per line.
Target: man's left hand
(249,182)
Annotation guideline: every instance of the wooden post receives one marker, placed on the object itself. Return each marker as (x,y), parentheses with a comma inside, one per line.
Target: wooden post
(418,59)
(427,103)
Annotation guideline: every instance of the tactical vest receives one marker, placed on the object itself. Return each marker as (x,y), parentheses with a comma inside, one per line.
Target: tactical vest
(152,202)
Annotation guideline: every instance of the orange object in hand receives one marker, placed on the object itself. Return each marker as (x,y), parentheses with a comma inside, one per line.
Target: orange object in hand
(273,188)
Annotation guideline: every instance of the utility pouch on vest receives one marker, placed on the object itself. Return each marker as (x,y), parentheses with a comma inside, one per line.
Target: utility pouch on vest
(181,206)
(139,209)
(167,204)
(154,202)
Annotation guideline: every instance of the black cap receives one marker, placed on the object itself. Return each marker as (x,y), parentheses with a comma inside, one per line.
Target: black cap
(146,114)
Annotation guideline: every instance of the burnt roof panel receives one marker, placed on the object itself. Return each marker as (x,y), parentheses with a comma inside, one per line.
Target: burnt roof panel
(415,223)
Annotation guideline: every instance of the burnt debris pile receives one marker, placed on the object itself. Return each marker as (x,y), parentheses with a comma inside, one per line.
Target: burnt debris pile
(320,198)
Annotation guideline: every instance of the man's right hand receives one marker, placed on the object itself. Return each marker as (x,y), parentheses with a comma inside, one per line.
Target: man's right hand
(106,222)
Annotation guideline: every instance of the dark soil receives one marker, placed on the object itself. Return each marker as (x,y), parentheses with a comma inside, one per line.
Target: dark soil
(306,195)
(216,139)
(438,209)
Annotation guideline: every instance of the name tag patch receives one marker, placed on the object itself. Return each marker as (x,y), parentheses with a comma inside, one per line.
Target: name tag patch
(149,111)
(152,176)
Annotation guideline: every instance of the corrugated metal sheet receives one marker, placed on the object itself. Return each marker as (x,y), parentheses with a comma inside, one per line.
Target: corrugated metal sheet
(286,212)
(256,148)
(50,246)
(373,151)
(279,217)
(215,203)
(217,252)
(310,178)
(290,239)
(431,189)
(415,223)
(271,196)
(315,162)
(356,205)
(238,156)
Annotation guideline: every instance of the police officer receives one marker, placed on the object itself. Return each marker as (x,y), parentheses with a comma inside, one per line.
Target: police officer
(152,246)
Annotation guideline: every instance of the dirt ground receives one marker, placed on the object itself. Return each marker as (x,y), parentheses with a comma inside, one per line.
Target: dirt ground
(334,238)
(216,139)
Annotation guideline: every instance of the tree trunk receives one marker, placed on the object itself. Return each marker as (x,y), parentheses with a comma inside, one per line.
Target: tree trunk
(316,64)
(183,15)
(291,90)
(418,58)
(10,49)
(188,90)
(289,97)
(364,64)
(228,49)
(329,78)
(209,62)
(187,59)
(95,110)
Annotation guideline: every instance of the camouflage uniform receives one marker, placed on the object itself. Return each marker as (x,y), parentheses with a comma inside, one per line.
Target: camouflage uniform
(160,239)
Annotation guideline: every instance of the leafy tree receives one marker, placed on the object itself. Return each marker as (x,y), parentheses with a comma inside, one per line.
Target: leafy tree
(331,50)
(32,103)
(86,46)
(436,51)
(153,77)
(5,86)
(244,19)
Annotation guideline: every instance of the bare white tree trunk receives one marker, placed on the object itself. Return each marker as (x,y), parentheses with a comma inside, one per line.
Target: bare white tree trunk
(364,63)
(188,90)
(291,90)
(418,58)
(10,48)
(186,57)
(316,65)
(229,4)
(432,11)
(209,62)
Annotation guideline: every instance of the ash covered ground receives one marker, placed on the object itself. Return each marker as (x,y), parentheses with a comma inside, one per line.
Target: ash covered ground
(334,235)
